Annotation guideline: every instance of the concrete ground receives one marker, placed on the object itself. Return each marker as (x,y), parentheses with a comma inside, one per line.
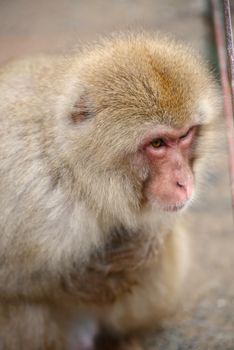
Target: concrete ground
(207,318)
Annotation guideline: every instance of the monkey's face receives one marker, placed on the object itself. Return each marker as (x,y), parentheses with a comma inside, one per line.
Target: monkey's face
(169,154)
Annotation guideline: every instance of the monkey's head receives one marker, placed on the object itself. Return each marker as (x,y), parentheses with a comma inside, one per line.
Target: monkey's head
(142,124)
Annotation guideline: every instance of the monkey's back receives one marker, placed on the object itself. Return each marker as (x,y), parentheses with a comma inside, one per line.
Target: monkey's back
(33,209)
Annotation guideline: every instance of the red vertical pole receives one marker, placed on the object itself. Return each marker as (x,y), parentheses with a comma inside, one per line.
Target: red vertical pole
(229,43)
(226,65)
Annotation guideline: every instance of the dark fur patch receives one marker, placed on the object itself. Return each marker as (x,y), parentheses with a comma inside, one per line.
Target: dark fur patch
(80,111)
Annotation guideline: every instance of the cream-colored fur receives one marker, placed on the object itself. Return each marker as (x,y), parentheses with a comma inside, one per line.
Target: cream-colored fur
(69,129)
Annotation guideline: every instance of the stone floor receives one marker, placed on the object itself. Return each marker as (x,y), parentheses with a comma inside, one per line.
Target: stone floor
(27,27)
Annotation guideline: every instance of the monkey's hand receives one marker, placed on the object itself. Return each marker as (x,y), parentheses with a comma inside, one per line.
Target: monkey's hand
(96,287)
(111,271)
(125,254)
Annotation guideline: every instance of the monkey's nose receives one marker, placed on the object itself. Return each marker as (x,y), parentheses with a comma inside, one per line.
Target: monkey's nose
(186,188)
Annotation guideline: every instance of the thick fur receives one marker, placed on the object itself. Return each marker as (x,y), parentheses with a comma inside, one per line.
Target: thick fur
(77,237)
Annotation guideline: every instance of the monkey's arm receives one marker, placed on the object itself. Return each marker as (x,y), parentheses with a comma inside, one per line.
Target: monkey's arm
(108,275)
(105,276)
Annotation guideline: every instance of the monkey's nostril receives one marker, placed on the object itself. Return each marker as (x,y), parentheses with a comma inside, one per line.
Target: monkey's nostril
(184,189)
(179,184)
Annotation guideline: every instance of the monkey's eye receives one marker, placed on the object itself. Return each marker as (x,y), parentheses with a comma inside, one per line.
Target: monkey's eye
(186,134)
(157,143)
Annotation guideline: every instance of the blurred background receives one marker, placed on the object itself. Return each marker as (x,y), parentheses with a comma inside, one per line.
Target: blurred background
(30,26)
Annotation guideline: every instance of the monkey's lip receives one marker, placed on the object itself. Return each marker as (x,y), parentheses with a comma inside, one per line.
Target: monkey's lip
(173,207)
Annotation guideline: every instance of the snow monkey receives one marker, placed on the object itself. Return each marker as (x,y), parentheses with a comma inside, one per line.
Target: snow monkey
(100,152)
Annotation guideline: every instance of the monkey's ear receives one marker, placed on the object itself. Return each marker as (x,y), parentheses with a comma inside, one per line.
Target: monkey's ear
(80,112)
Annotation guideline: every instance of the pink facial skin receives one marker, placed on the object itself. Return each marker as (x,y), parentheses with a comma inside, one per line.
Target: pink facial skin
(169,154)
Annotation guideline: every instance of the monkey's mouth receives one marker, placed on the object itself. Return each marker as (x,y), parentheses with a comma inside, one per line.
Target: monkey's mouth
(172,207)
(168,207)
